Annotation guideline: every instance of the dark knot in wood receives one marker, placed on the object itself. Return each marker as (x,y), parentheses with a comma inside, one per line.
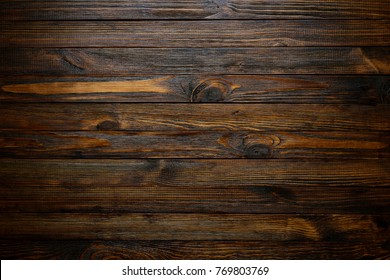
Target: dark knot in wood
(213,90)
(251,145)
(108,125)
(257,151)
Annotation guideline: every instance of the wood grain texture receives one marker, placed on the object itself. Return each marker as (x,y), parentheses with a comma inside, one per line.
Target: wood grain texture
(136,61)
(238,199)
(205,117)
(108,149)
(194,144)
(191,9)
(173,250)
(85,173)
(179,34)
(290,89)
(195,227)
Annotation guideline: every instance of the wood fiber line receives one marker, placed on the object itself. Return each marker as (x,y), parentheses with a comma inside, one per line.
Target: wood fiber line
(291,89)
(192,9)
(185,117)
(84,174)
(200,34)
(188,227)
(172,250)
(214,61)
(239,199)
(194,144)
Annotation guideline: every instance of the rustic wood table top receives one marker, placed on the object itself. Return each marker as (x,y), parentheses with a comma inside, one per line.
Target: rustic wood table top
(222,129)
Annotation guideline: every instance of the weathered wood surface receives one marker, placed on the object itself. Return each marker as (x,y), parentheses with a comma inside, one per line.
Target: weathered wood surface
(89,169)
(132,198)
(194,144)
(184,117)
(192,9)
(203,34)
(214,61)
(173,250)
(87,173)
(195,227)
(290,89)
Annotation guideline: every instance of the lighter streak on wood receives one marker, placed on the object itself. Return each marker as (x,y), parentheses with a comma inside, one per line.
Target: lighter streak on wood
(150,85)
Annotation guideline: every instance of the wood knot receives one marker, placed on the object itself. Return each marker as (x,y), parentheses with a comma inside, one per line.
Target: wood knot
(382,223)
(108,125)
(257,151)
(213,90)
(251,145)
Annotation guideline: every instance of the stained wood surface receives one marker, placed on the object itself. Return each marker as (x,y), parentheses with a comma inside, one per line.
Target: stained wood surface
(135,250)
(195,227)
(226,129)
(181,34)
(135,61)
(185,117)
(290,89)
(194,144)
(192,9)
(84,173)
(202,199)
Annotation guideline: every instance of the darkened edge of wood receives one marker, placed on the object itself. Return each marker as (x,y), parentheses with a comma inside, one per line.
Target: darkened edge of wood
(145,250)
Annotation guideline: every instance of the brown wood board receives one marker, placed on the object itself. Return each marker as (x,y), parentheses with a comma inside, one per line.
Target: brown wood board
(134,61)
(192,9)
(224,129)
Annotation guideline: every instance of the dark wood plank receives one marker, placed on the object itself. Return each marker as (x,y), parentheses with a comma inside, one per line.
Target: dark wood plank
(240,199)
(291,89)
(191,9)
(136,61)
(183,117)
(172,250)
(195,227)
(194,144)
(84,174)
(199,34)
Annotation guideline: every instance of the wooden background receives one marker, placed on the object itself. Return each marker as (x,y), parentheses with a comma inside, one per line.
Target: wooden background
(191,129)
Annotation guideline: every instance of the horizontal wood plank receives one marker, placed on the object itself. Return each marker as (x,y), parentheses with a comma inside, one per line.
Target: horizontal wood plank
(179,34)
(173,250)
(195,227)
(136,61)
(194,144)
(184,117)
(191,9)
(291,89)
(277,199)
(87,173)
